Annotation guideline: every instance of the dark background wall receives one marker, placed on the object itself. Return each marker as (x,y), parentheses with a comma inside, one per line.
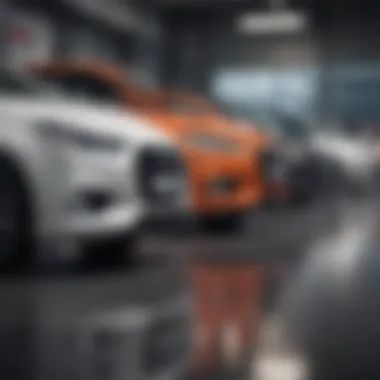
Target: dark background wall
(206,53)
(188,55)
(335,64)
(79,33)
(349,34)
(338,56)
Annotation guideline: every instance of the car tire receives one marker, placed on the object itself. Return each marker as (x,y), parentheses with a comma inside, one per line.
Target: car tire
(227,223)
(16,243)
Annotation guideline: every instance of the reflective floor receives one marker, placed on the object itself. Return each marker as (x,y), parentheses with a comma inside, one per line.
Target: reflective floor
(275,238)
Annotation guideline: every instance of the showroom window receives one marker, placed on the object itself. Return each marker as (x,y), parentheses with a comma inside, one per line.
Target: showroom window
(356,91)
(268,91)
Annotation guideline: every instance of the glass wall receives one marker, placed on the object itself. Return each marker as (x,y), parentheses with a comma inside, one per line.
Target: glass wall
(356,91)
(268,92)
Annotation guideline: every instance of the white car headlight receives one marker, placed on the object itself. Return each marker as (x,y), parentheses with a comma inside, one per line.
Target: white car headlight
(78,138)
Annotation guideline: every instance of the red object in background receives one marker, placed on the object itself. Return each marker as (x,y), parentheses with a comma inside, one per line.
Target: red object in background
(19,34)
(227,297)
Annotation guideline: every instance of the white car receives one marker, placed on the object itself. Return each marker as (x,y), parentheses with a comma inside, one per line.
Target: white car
(319,155)
(353,156)
(76,176)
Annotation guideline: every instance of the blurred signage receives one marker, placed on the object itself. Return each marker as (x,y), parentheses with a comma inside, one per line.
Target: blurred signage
(272,22)
(29,38)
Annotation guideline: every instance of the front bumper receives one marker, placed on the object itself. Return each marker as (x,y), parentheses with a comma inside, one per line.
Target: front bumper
(114,221)
(91,196)
(223,184)
(168,223)
(239,200)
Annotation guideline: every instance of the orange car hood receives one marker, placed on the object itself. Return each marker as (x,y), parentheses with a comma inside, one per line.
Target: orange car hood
(175,125)
(244,133)
(179,126)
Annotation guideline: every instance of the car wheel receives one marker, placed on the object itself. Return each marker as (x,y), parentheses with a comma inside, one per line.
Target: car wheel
(228,223)
(15,221)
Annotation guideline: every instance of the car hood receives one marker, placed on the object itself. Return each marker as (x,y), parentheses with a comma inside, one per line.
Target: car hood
(96,118)
(185,128)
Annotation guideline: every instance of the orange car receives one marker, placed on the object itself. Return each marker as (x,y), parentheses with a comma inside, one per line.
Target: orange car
(221,167)
(258,143)
(278,189)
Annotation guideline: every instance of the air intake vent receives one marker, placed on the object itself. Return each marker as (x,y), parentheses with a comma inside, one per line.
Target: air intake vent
(161,176)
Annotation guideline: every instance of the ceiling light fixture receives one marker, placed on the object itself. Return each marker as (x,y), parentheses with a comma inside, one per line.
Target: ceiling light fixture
(272,22)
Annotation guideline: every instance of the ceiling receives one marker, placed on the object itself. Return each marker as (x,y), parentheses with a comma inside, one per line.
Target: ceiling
(214,3)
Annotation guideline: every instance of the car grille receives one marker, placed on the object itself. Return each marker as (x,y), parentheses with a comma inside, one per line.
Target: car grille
(223,186)
(166,345)
(161,176)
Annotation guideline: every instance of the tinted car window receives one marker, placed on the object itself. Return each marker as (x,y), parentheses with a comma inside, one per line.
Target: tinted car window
(17,84)
(87,87)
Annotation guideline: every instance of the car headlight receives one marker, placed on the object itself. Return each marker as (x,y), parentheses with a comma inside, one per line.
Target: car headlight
(77,137)
(211,143)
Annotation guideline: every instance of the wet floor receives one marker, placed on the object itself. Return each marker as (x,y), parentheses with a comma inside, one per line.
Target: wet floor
(276,236)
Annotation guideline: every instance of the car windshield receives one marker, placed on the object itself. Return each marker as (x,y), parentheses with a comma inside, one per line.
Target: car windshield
(20,84)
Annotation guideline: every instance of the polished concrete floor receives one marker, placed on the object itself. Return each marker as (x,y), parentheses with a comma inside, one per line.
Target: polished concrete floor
(278,236)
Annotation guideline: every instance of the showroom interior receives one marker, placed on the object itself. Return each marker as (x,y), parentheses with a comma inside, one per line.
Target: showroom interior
(199,45)
(190,189)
